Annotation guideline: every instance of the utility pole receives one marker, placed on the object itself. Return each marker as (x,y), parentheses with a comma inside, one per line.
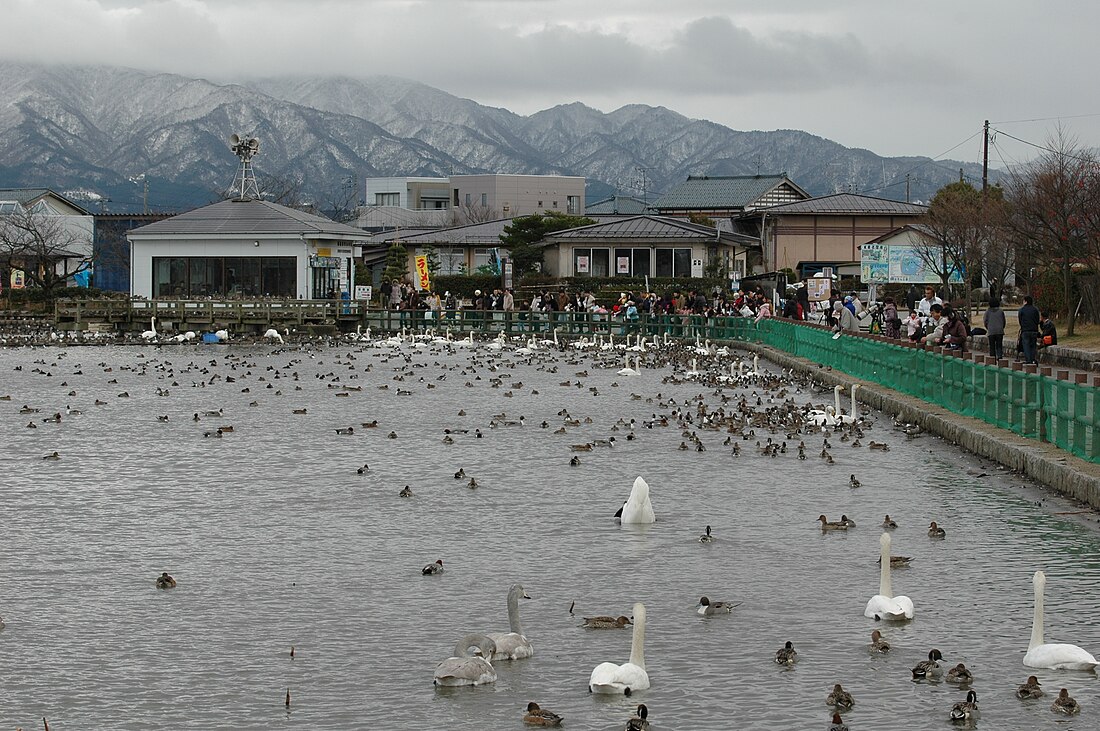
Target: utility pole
(645,184)
(907,187)
(985,159)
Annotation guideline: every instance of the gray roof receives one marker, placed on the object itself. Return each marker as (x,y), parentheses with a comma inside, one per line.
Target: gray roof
(27,196)
(251,217)
(487,233)
(649,228)
(725,192)
(623,205)
(847,204)
(399,233)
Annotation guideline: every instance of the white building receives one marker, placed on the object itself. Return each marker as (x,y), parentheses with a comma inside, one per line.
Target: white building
(244,249)
(67,232)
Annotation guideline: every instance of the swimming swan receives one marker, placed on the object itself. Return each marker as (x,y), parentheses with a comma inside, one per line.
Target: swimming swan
(1048,655)
(609,678)
(512,645)
(638,509)
(463,669)
(883,605)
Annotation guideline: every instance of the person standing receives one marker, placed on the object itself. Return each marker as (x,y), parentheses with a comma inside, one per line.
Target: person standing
(994,322)
(509,300)
(1029,318)
(924,307)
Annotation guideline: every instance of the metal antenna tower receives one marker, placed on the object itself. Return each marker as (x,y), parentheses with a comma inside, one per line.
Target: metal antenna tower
(244,182)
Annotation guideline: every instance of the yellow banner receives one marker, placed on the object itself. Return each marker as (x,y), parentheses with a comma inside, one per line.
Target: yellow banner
(422,272)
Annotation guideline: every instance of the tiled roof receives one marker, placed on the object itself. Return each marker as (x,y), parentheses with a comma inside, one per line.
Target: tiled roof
(622,205)
(849,203)
(701,193)
(27,196)
(251,217)
(475,233)
(649,228)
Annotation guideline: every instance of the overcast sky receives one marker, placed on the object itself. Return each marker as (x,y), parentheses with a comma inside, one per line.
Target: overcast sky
(899,79)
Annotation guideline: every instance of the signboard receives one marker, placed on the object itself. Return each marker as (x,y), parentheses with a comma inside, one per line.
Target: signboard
(326,262)
(897,264)
(324,251)
(818,289)
(363,292)
(696,268)
(622,265)
(17,279)
(582,265)
(506,273)
(423,279)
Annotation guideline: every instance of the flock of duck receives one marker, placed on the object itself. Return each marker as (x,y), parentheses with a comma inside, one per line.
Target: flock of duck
(758,411)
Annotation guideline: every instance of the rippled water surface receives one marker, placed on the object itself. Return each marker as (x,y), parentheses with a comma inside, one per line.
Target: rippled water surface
(276,541)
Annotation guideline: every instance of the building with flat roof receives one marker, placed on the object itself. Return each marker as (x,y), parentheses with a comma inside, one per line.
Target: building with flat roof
(494,195)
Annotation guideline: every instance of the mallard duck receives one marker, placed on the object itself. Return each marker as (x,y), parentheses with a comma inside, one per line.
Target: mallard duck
(1030,689)
(929,668)
(604,622)
(640,721)
(965,710)
(881,446)
(847,521)
(536,716)
(959,674)
(1063,704)
(164,581)
(706,537)
(472,484)
(888,523)
(706,607)
(433,568)
(580,447)
(392,435)
(838,723)
(574,461)
(840,699)
(897,562)
(826,525)
(405,492)
(786,655)
(345,430)
(853,482)
(934,531)
(369,424)
(448,440)
(879,646)
(52,456)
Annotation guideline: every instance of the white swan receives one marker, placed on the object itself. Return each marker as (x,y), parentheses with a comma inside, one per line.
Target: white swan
(626,370)
(637,508)
(1048,655)
(151,333)
(850,417)
(827,417)
(222,335)
(463,669)
(884,605)
(273,334)
(609,678)
(512,645)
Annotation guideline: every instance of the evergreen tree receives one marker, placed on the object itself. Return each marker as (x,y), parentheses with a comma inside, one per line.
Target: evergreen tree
(397,263)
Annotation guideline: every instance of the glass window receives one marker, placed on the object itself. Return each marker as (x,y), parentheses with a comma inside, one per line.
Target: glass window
(681,262)
(582,262)
(468,199)
(601,262)
(622,262)
(664,262)
(451,260)
(573,204)
(484,200)
(482,257)
(640,263)
(387,199)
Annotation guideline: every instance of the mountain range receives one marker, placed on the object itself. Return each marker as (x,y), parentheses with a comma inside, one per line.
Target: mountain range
(116,135)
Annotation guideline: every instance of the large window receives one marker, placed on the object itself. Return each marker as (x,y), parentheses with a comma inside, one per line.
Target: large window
(451,259)
(592,262)
(230,276)
(633,262)
(673,262)
(573,204)
(387,199)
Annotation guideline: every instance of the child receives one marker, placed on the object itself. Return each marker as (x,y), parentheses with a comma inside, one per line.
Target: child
(913,327)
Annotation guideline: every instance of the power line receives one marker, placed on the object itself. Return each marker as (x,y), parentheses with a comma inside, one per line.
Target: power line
(1047,119)
(1046,148)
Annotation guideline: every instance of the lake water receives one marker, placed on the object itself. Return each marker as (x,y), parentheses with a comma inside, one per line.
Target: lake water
(276,541)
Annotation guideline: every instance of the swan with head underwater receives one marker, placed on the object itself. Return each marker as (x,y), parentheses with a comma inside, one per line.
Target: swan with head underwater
(637,508)
(464,669)
(1052,656)
(609,678)
(884,605)
(512,645)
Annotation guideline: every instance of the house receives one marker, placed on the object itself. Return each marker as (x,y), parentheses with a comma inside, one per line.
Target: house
(244,248)
(728,196)
(481,197)
(618,205)
(647,245)
(459,249)
(43,234)
(810,234)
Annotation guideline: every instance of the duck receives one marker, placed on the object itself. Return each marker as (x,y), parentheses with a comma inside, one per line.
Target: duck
(512,645)
(965,710)
(52,456)
(826,525)
(472,484)
(847,521)
(461,474)
(392,435)
(708,608)
(1029,689)
(935,531)
(536,716)
(574,461)
(164,581)
(448,440)
(898,562)
(345,430)
(1064,704)
(637,508)
(1051,656)
(786,655)
(639,721)
(878,646)
(706,537)
(885,605)
(364,469)
(838,723)
(605,622)
(433,568)
(609,678)
(889,523)
(580,447)
(464,669)
(405,492)
(929,668)
(840,699)
(853,482)
(959,674)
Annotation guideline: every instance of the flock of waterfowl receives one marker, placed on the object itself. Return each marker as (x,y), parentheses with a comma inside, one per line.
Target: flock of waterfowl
(758,411)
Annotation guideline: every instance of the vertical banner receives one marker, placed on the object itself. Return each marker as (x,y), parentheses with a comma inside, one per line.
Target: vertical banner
(423,280)
(17,279)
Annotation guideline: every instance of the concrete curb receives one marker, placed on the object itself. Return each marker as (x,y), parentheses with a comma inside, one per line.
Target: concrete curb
(1042,462)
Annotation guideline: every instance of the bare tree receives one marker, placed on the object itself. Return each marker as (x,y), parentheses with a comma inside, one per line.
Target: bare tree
(467,213)
(46,248)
